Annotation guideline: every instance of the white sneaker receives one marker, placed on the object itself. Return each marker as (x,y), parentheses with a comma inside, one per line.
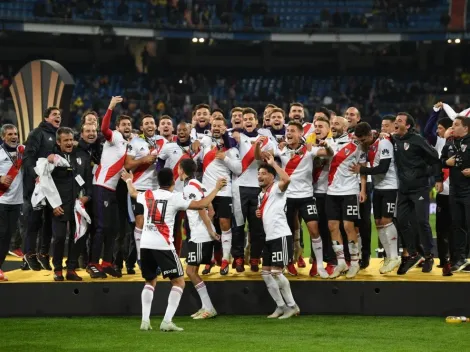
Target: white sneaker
(322,272)
(353,270)
(338,270)
(290,312)
(145,325)
(384,265)
(169,326)
(277,313)
(392,265)
(206,314)
(197,313)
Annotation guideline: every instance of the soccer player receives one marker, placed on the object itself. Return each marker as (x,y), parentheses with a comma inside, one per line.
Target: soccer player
(142,153)
(278,246)
(157,249)
(380,155)
(236,118)
(277,128)
(323,114)
(202,117)
(203,237)
(165,128)
(297,113)
(105,181)
(342,201)
(267,115)
(220,161)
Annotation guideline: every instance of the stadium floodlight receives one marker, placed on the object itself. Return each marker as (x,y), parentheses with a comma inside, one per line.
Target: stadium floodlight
(445,89)
(457,41)
(180,81)
(194,40)
(201,40)
(449,41)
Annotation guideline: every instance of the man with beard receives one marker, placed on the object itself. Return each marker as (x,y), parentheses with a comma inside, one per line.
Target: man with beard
(73,182)
(216,113)
(277,130)
(297,161)
(381,158)
(245,192)
(416,161)
(142,153)
(165,128)
(219,161)
(342,201)
(40,143)
(202,118)
(105,181)
(320,186)
(267,115)
(296,113)
(11,188)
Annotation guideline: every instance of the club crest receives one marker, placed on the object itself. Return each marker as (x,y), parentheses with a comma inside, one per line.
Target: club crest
(79,161)
(106,203)
(463,147)
(347,151)
(406,146)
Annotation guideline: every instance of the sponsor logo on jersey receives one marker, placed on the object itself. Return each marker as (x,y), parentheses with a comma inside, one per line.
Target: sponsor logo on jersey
(385,152)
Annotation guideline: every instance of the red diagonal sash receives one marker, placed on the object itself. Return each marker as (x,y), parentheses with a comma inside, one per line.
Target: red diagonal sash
(199,188)
(295,161)
(307,128)
(156,217)
(13,172)
(209,157)
(250,156)
(264,200)
(175,168)
(338,159)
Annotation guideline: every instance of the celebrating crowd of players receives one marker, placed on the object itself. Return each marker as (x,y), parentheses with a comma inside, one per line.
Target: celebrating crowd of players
(209,180)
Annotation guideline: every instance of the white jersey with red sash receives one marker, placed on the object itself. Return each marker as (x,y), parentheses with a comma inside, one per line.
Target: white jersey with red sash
(249,174)
(213,169)
(194,190)
(272,205)
(341,181)
(10,165)
(298,164)
(173,153)
(309,128)
(145,176)
(382,148)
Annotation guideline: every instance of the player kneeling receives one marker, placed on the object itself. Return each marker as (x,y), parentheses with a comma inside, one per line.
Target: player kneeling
(156,244)
(201,242)
(278,246)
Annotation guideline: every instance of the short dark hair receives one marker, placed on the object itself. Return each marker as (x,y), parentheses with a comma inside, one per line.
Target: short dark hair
(276,109)
(220,118)
(391,118)
(188,166)
(296,104)
(325,111)
(218,110)
(296,124)
(122,118)
(250,111)
(61,131)
(165,117)
(202,106)
(82,127)
(268,168)
(165,177)
(465,121)
(445,122)
(362,129)
(146,116)
(89,112)
(409,119)
(48,111)
(236,109)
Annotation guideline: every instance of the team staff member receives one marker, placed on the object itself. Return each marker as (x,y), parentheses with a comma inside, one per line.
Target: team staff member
(40,143)
(414,158)
(11,188)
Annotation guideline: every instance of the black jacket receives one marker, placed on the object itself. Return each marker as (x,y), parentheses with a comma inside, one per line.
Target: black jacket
(416,161)
(66,183)
(40,143)
(460,148)
(93,150)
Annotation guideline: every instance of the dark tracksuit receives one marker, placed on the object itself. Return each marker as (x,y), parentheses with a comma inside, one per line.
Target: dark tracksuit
(40,143)
(416,161)
(459,194)
(69,190)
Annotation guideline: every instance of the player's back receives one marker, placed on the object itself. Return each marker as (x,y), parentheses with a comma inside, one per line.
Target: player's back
(272,206)
(194,190)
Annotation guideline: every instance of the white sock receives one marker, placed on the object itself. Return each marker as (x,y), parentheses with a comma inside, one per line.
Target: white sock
(354,251)
(317,246)
(383,239)
(226,244)
(204,295)
(284,287)
(147,297)
(173,303)
(392,237)
(338,249)
(273,288)
(359,245)
(137,237)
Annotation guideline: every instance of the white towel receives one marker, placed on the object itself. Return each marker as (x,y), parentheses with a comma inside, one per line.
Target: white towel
(82,219)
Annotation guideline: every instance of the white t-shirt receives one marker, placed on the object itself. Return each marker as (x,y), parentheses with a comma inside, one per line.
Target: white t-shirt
(160,208)
(382,148)
(14,193)
(272,206)
(194,190)
(112,162)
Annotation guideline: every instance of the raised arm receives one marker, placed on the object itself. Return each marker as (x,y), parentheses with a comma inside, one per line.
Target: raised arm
(107,133)
(205,202)
(284,179)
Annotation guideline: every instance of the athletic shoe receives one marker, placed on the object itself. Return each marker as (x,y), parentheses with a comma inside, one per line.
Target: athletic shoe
(208,267)
(32,261)
(145,326)
(323,273)
(197,313)
(364,263)
(353,270)
(313,270)
(428,264)
(301,262)
(169,326)
(224,268)
(338,270)
(384,265)
(130,271)
(408,263)
(72,276)
(16,253)
(390,265)
(110,269)
(239,265)
(291,270)
(277,313)
(58,275)
(466,269)
(25,266)
(96,271)
(2,276)
(289,312)
(206,314)
(45,260)
(459,266)
(446,270)
(254,265)
(330,268)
